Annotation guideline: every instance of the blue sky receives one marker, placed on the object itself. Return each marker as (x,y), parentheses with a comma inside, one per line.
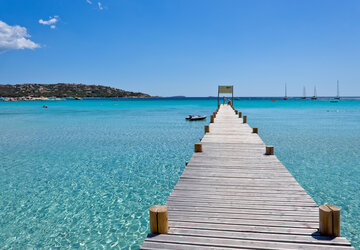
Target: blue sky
(179,47)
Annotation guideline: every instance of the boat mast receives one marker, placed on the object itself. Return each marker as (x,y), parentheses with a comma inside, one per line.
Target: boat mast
(338,92)
(315,96)
(304,93)
(285,91)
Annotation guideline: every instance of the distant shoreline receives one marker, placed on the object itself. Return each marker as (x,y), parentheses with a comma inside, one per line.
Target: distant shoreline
(236,99)
(59,91)
(42,98)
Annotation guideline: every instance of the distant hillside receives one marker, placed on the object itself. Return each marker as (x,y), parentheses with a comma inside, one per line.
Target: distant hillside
(65,90)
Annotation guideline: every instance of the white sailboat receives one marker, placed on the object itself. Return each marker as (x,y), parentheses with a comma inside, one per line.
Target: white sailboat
(315,95)
(304,93)
(338,92)
(285,97)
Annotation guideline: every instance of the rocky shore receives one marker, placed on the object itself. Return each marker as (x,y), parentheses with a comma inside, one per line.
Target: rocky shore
(29,98)
(62,91)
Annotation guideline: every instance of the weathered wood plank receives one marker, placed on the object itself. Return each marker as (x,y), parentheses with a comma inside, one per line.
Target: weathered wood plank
(238,243)
(324,240)
(240,206)
(272,217)
(245,228)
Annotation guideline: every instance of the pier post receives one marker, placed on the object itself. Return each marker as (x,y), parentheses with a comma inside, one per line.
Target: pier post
(244,118)
(269,150)
(214,114)
(212,119)
(207,129)
(329,220)
(198,148)
(255,130)
(240,114)
(236,112)
(158,219)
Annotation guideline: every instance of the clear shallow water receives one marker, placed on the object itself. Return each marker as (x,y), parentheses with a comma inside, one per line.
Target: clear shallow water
(84,173)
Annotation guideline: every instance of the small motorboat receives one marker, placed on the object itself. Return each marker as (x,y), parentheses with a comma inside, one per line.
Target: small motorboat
(195,117)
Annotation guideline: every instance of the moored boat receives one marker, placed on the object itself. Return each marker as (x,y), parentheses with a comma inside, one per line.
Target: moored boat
(195,117)
(338,92)
(285,97)
(315,95)
(304,93)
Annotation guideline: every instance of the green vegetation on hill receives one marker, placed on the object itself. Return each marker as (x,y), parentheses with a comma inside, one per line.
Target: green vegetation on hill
(64,90)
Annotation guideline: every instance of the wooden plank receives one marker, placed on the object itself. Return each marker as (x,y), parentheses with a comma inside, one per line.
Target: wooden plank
(323,240)
(254,210)
(228,215)
(150,245)
(234,196)
(244,221)
(240,206)
(244,228)
(237,243)
(242,202)
(187,195)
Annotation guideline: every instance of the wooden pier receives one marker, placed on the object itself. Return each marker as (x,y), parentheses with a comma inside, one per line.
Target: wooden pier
(233,195)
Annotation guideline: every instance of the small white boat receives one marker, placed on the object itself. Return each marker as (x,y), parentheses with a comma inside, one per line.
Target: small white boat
(195,117)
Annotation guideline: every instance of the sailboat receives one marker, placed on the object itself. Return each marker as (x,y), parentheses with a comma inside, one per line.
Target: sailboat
(304,93)
(285,97)
(315,95)
(338,92)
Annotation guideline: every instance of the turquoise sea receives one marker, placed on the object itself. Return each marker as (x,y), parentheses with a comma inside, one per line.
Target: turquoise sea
(84,173)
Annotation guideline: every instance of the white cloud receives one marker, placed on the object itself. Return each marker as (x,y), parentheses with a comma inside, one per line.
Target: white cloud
(88,1)
(51,22)
(100,6)
(15,37)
